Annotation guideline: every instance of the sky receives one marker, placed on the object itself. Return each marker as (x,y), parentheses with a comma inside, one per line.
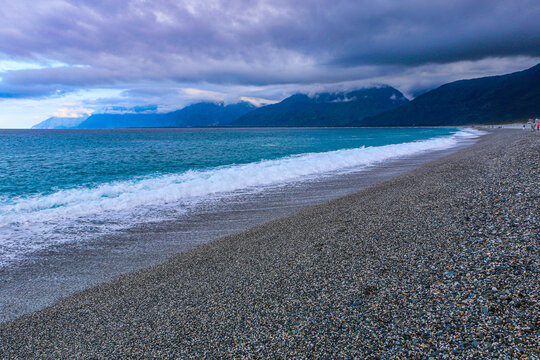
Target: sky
(70,58)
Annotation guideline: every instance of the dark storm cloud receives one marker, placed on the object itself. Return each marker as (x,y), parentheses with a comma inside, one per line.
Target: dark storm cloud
(110,43)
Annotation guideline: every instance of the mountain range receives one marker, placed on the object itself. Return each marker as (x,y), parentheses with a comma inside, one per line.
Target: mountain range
(196,115)
(325,109)
(492,99)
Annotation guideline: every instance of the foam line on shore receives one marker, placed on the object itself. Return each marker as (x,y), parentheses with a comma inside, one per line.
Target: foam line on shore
(125,195)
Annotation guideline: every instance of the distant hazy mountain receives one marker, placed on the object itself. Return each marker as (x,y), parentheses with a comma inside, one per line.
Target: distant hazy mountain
(59,122)
(326,109)
(127,120)
(196,115)
(484,100)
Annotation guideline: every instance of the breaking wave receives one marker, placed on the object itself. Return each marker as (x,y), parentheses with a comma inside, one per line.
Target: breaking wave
(34,222)
(163,189)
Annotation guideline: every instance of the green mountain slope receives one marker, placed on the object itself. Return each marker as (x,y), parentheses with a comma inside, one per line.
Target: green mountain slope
(484,100)
(324,109)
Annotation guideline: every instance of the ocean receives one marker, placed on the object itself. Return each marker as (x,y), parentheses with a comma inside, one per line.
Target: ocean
(80,206)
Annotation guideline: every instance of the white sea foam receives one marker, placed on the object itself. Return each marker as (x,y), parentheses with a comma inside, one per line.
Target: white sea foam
(112,202)
(124,195)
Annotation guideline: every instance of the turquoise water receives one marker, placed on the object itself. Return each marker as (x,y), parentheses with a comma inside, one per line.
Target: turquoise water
(62,186)
(37,161)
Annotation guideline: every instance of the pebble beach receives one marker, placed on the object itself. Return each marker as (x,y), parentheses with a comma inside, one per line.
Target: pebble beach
(441,262)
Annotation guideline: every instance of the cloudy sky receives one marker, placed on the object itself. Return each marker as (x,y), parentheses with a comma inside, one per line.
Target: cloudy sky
(73,57)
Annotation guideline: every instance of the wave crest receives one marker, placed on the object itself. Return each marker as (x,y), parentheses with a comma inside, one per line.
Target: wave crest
(164,189)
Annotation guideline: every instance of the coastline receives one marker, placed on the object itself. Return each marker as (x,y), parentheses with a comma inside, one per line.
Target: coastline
(47,275)
(440,260)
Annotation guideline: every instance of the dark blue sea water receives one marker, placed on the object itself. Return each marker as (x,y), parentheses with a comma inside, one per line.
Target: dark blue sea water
(60,186)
